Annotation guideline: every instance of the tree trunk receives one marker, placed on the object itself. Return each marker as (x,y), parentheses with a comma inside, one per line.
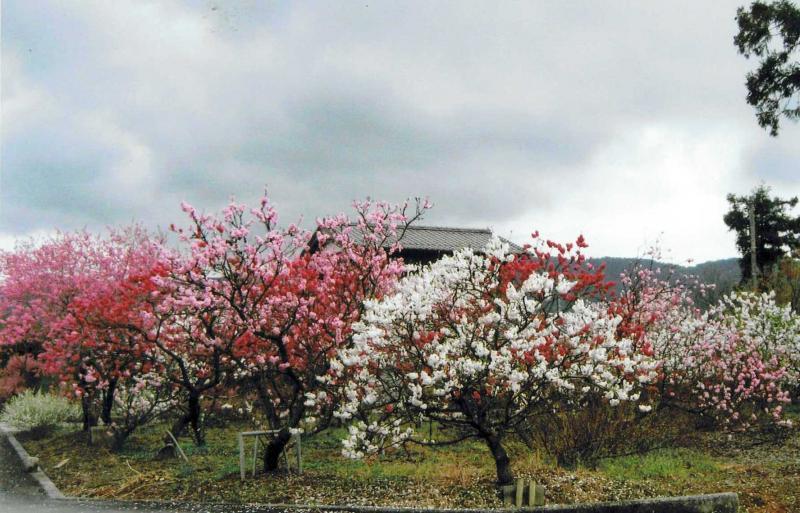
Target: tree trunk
(501,460)
(168,450)
(195,420)
(274,449)
(190,418)
(88,418)
(177,429)
(120,437)
(108,402)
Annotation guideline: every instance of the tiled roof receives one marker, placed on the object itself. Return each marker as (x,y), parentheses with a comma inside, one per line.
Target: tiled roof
(443,238)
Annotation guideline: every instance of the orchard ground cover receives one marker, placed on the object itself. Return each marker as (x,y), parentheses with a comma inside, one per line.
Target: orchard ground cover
(762,467)
(409,384)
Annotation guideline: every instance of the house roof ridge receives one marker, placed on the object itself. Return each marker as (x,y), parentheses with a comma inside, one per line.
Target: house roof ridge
(442,238)
(430,227)
(448,228)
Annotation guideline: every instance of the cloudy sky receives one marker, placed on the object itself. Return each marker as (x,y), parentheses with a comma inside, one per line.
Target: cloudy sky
(624,121)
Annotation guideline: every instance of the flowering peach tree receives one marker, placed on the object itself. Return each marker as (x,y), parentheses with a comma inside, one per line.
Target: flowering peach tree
(731,364)
(38,285)
(74,297)
(755,364)
(774,328)
(265,308)
(478,342)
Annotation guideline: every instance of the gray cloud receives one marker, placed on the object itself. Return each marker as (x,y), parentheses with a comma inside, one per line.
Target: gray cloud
(610,119)
(776,163)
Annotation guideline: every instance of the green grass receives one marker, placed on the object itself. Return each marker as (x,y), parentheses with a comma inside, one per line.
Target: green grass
(662,464)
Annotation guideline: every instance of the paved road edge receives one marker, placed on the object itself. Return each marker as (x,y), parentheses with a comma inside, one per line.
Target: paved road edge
(41,478)
(710,503)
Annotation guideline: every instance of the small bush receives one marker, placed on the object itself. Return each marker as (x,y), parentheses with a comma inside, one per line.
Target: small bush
(596,431)
(38,412)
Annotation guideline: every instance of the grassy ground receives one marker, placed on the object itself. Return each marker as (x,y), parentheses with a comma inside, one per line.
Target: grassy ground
(764,470)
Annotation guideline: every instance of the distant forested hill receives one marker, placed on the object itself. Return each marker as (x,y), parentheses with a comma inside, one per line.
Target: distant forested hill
(725,273)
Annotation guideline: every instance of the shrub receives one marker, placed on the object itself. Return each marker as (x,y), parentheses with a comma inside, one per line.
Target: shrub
(39,412)
(594,431)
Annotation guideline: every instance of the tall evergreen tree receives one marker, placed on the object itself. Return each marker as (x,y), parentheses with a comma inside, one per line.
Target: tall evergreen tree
(777,230)
(770,31)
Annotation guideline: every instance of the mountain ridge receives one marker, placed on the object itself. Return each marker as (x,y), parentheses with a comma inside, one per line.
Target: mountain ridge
(724,273)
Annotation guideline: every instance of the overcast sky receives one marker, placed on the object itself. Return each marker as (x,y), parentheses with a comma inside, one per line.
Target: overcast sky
(624,121)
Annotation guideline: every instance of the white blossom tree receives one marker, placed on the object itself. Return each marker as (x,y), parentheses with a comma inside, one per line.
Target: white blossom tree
(477,343)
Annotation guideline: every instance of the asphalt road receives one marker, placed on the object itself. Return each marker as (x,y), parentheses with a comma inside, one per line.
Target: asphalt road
(18,490)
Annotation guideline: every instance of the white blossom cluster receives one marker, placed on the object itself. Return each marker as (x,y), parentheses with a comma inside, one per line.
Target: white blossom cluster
(455,345)
(773,327)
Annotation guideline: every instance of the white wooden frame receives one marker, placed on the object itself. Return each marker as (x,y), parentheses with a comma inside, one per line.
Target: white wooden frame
(256,435)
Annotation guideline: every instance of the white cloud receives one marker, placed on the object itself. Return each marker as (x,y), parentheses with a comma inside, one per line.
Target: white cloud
(620,121)
(663,184)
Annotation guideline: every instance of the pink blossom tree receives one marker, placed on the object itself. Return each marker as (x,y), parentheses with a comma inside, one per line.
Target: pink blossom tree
(73,300)
(40,284)
(267,307)
(728,364)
